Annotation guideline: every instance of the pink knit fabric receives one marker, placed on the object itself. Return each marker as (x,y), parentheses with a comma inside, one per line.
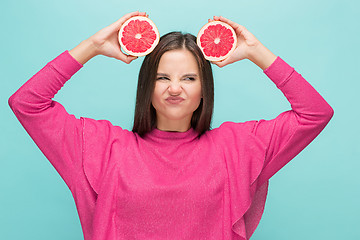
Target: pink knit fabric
(168,185)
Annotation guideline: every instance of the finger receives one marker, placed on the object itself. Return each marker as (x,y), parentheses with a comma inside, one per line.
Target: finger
(126,58)
(132,14)
(237,27)
(131,58)
(218,63)
(123,19)
(224,62)
(121,55)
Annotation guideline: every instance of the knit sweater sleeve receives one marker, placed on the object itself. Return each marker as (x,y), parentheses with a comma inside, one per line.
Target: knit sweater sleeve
(57,133)
(291,131)
(283,137)
(255,150)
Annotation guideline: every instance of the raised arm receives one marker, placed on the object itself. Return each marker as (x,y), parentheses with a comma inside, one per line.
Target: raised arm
(57,133)
(104,42)
(291,131)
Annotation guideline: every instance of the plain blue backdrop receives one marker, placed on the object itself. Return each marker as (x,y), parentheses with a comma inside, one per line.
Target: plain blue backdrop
(316,196)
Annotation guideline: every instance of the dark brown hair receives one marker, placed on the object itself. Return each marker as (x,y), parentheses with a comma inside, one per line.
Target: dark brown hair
(145,113)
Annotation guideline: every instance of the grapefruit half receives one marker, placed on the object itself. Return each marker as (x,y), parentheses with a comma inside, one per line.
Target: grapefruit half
(138,36)
(217,40)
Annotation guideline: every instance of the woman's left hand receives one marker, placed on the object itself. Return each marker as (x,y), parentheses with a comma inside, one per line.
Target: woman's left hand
(248,47)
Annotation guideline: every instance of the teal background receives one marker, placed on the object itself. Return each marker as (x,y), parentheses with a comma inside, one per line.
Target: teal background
(316,196)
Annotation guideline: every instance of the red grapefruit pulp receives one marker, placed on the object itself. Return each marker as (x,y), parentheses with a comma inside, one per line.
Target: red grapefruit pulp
(217,40)
(138,36)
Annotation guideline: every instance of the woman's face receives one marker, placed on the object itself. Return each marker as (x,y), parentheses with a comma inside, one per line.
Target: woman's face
(177,93)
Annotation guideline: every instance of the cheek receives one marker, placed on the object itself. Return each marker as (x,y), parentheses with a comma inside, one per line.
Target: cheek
(197,92)
(196,96)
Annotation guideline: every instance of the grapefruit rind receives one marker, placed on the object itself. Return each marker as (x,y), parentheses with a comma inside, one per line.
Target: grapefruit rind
(201,32)
(153,45)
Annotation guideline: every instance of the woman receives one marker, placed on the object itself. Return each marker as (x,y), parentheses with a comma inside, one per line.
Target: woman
(171,177)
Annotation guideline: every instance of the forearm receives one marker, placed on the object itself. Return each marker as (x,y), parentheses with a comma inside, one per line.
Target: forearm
(309,105)
(84,51)
(261,56)
(37,93)
(291,131)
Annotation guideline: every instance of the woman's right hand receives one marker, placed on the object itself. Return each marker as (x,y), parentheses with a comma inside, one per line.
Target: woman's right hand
(248,47)
(104,42)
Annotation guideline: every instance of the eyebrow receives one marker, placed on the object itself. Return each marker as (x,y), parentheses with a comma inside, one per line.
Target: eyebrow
(185,75)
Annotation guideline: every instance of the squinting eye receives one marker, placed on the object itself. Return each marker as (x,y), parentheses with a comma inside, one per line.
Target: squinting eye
(190,78)
(162,78)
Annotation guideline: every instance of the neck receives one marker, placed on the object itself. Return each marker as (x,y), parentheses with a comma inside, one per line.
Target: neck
(173,125)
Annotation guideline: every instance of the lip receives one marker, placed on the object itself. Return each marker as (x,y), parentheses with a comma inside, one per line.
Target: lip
(174,100)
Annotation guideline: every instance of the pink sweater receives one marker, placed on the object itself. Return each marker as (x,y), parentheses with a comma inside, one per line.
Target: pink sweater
(168,185)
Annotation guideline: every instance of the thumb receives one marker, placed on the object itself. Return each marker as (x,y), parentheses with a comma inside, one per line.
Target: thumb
(224,62)
(124,57)
(130,58)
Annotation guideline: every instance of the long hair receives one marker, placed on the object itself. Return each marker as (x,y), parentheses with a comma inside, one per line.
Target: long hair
(145,113)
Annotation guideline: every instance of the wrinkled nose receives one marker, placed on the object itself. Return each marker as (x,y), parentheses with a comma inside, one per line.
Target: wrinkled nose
(175,88)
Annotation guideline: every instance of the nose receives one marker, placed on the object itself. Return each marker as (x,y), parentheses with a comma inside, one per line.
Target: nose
(174,88)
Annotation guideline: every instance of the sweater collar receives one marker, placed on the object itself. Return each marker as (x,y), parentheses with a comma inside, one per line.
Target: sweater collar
(160,135)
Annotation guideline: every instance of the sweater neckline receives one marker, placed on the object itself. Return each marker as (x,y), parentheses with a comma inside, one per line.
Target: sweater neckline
(156,133)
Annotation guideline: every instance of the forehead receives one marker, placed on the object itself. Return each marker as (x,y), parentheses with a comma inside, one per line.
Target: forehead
(178,62)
